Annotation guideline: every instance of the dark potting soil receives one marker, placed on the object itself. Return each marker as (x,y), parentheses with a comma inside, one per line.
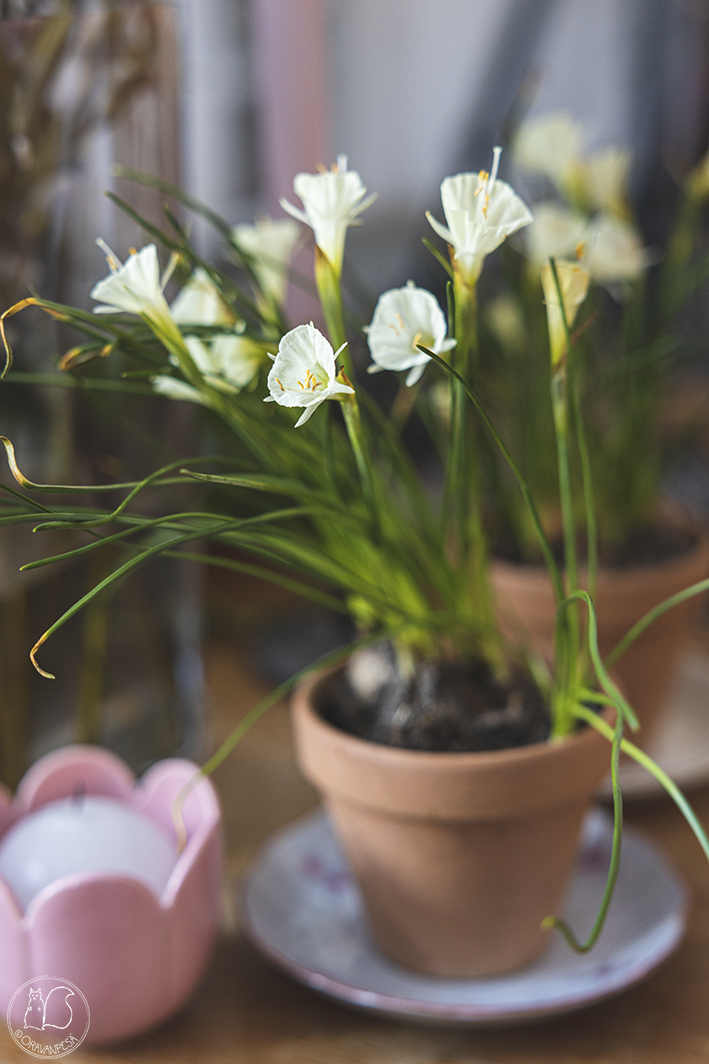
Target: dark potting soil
(651,544)
(442,707)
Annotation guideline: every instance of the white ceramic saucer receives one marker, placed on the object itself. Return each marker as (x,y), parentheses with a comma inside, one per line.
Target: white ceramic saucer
(302,909)
(681,744)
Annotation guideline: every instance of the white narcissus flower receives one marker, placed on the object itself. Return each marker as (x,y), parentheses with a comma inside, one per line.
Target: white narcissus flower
(556,232)
(553,145)
(550,144)
(615,252)
(303,372)
(133,287)
(481,212)
(404,318)
(332,201)
(227,363)
(199,302)
(270,244)
(573,283)
(606,175)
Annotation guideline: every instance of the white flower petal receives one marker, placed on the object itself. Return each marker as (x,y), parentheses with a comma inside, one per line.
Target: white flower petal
(294,212)
(199,302)
(479,226)
(403,319)
(199,352)
(481,212)
(307,414)
(606,173)
(236,358)
(227,362)
(442,230)
(556,232)
(270,244)
(303,373)
(332,201)
(173,388)
(615,252)
(573,280)
(550,144)
(134,287)
(414,375)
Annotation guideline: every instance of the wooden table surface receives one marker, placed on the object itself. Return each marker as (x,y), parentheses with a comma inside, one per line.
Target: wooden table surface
(248,1013)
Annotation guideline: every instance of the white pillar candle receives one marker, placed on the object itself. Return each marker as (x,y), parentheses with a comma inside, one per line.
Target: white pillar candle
(84,834)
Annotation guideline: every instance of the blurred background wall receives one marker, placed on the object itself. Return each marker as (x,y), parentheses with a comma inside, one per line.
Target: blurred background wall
(413,90)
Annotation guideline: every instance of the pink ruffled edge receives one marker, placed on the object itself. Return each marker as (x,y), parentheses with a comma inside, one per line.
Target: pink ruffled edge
(177,939)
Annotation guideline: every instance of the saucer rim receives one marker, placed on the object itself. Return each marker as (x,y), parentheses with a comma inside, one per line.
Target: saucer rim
(504,1014)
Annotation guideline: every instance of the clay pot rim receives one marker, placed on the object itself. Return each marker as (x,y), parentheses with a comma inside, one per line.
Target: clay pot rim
(304,702)
(631,574)
(443,785)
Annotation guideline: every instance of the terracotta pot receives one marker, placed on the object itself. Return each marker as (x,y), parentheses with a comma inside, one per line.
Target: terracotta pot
(459,856)
(645,672)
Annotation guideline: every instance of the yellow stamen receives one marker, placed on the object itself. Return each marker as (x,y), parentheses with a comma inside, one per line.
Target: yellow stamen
(281,386)
(482,181)
(400,323)
(580,248)
(321,169)
(132,251)
(417,340)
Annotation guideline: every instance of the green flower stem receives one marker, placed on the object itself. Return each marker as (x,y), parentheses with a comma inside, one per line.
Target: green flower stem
(325,428)
(556,921)
(117,574)
(465,356)
(93,660)
(353,424)
(572,661)
(587,483)
(170,522)
(463,495)
(169,335)
(155,478)
(555,575)
(571,631)
(624,715)
(652,615)
(610,689)
(460,473)
(296,587)
(654,769)
(97,384)
(330,293)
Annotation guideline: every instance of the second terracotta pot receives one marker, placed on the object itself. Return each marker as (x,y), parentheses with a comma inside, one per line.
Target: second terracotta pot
(459,856)
(645,671)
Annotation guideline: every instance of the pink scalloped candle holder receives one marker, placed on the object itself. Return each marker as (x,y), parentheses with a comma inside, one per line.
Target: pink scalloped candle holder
(136,958)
